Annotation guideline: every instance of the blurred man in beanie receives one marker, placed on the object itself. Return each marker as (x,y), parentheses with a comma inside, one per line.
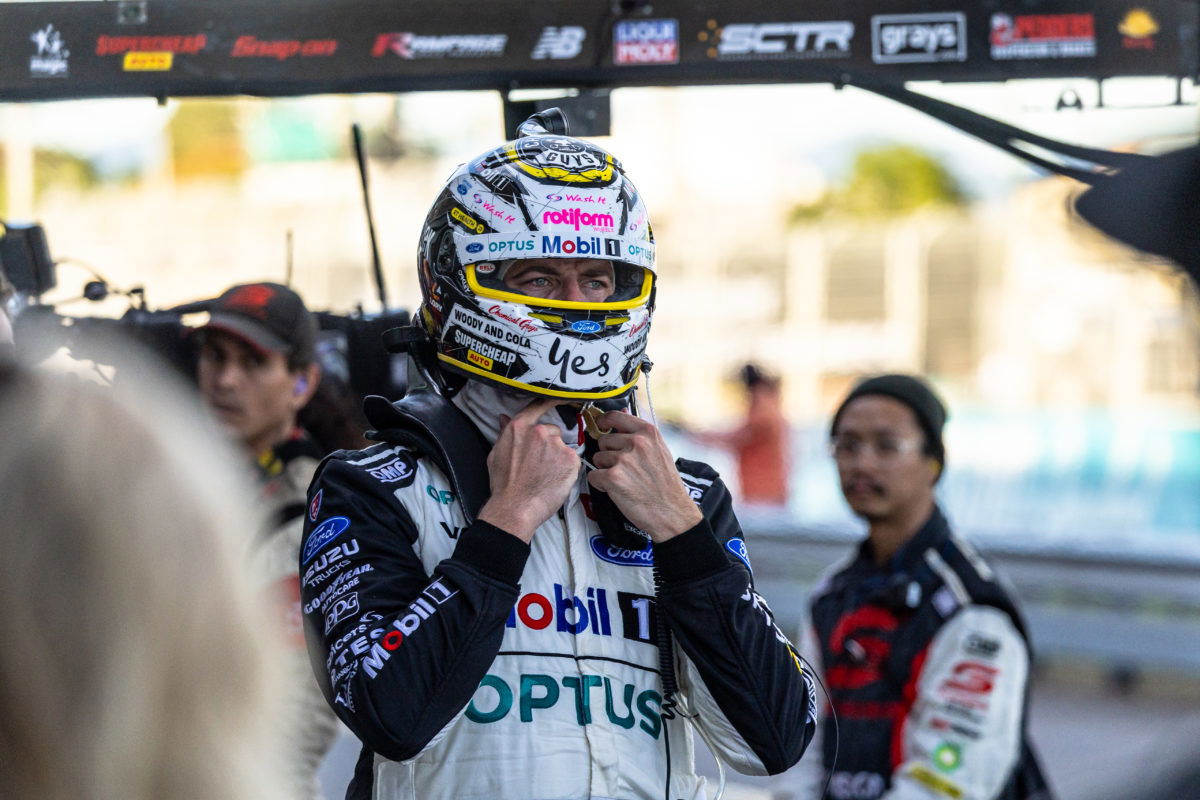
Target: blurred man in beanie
(925,655)
(256,369)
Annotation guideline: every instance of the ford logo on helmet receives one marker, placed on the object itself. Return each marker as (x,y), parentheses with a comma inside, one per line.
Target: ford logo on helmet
(474,247)
(585,326)
(606,551)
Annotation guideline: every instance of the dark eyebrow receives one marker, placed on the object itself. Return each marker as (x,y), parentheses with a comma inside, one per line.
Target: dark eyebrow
(527,269)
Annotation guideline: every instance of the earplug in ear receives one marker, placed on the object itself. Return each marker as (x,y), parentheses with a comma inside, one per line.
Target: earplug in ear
(301,386)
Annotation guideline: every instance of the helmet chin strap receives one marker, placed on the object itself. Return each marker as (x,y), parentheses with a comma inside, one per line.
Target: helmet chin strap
(644,387)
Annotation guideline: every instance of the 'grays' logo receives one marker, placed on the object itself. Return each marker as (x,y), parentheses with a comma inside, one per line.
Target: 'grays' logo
(622,555)
(322,535)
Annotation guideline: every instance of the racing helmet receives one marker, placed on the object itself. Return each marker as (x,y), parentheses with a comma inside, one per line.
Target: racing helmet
(541,196)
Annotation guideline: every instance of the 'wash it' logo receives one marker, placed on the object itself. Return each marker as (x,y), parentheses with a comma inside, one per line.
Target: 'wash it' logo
(577,218)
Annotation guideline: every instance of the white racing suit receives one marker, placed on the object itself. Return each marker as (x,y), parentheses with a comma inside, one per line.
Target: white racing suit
(472,665)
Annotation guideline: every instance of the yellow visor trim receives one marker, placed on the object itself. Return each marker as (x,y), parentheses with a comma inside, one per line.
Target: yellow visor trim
(537,389)
(553,320)
(542,302)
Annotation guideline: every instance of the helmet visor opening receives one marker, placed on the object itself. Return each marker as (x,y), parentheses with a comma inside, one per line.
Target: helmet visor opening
(561,283)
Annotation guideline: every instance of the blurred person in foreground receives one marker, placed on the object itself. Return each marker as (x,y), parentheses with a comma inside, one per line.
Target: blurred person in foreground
(520,593)
(925,655)
(7,347)
(760,443)
(136,665)
(256,370)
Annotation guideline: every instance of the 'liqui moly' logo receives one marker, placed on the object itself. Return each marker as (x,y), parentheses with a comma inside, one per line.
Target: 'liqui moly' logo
(577,218)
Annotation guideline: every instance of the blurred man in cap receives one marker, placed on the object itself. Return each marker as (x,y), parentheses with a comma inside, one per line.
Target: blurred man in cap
(256,370)
(925,655)
(257,367)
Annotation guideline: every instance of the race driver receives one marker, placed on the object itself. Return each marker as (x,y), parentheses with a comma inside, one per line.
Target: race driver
(558,640)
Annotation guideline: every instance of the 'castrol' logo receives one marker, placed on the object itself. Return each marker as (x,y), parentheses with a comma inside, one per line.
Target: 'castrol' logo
(577,218)
(624,556)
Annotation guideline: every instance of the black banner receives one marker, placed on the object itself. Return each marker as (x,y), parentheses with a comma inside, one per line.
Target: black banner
(165,48)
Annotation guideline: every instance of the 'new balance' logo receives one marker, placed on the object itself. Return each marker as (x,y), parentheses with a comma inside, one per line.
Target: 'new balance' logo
(559,43)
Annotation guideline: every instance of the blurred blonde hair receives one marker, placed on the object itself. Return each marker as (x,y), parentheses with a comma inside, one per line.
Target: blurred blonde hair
(135,662)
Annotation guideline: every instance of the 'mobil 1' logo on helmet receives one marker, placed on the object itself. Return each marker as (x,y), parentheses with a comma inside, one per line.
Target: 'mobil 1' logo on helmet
(562,160)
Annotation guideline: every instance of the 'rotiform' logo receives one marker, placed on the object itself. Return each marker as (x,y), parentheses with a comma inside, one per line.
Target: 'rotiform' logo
(918,38)
(419,610)
(577,218)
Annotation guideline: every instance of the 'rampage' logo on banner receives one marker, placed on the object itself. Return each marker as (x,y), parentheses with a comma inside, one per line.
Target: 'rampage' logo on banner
(557,158)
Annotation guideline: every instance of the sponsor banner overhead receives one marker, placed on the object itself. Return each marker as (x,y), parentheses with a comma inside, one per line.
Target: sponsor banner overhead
(81,48)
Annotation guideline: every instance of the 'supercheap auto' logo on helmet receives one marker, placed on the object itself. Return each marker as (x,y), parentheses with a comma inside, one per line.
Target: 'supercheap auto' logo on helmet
(560,159)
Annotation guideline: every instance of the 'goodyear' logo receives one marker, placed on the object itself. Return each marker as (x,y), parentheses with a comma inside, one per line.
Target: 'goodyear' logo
(148,62)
